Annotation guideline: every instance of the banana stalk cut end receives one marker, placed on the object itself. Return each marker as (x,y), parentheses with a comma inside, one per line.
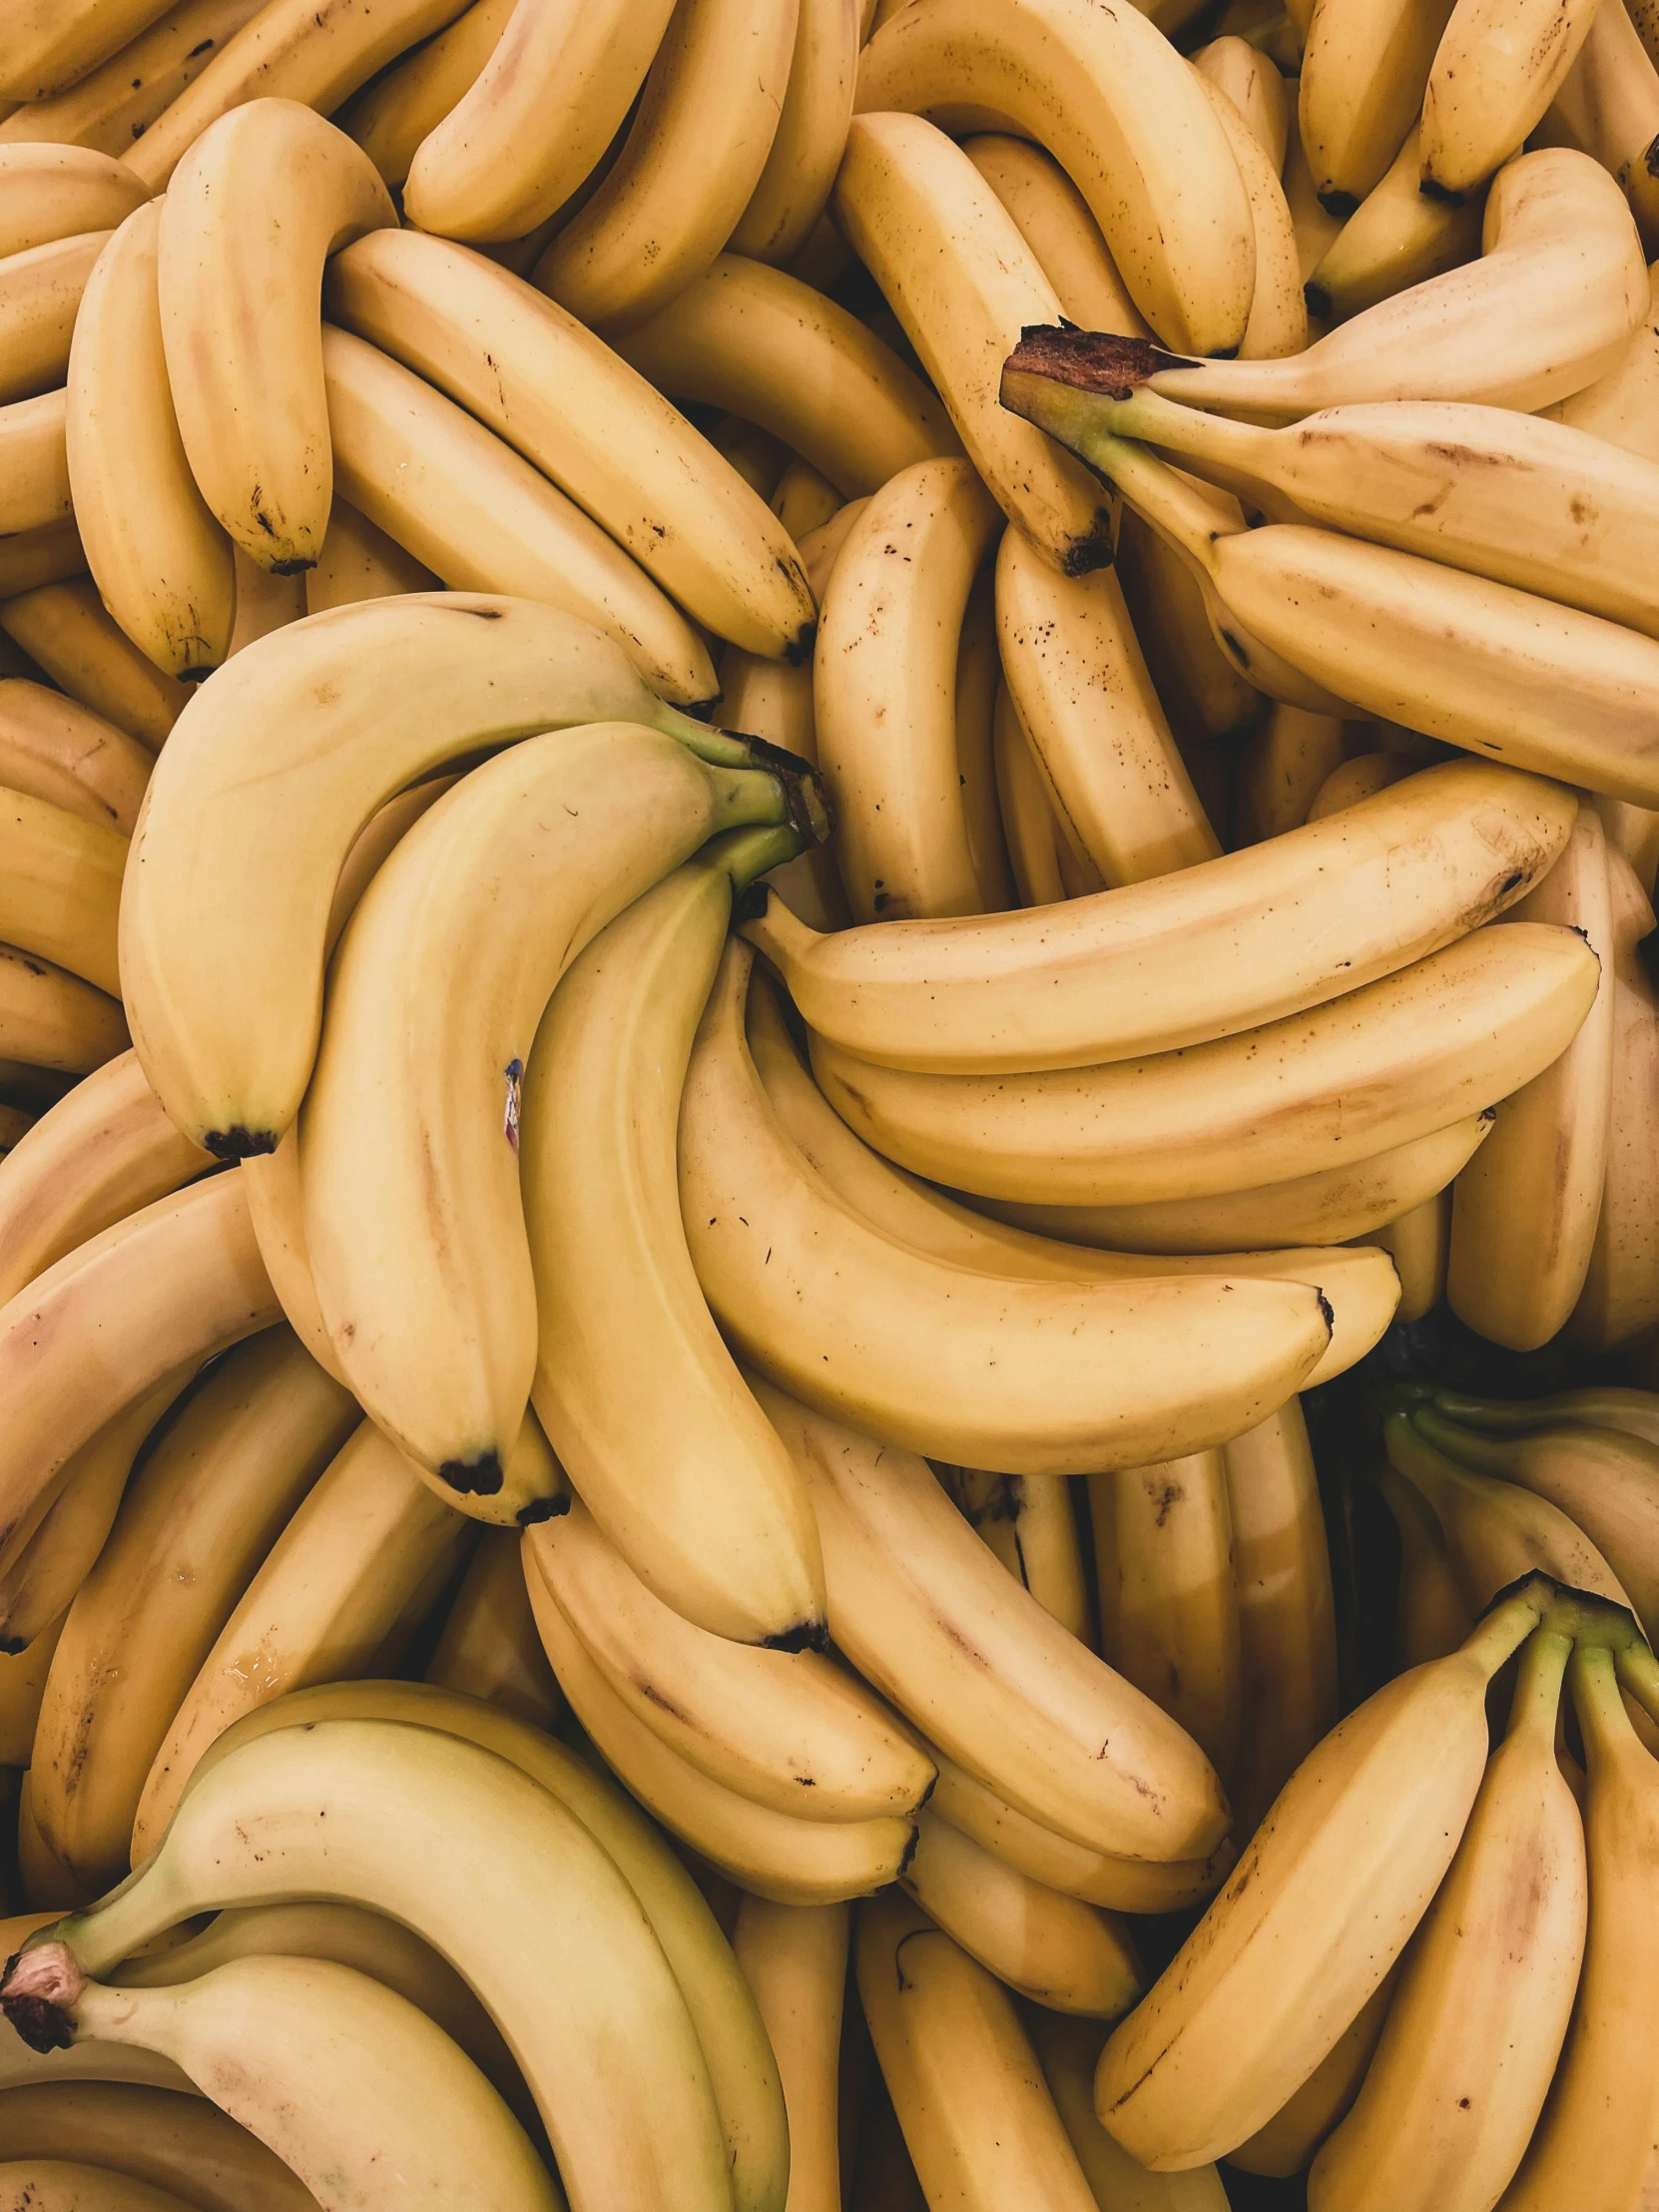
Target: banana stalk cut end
(1101,362)
(41,1988)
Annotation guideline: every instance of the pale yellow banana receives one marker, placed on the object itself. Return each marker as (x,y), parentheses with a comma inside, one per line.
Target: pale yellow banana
(152,2135)
(51,1019)
(1282,766)
(1278,312)
(489,1647)
(60,191)
(36,493)
(51,43)
(1608,107)
(1031,829)
(794,185)
(1251,80)
(117,101)
(394,112)
(1362,776)
(795,1959)
(1053,217)
(1363,70)
(360,562)
(1620,407)
(1029,1524)
(1067,2050)
(1419,1241)
(1495,70)
(40,293)
(1285,2145)
(60,887)
(978,683)
(64,627)
(1397,237)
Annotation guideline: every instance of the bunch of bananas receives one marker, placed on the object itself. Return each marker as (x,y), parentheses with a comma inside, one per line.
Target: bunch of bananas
(810,812)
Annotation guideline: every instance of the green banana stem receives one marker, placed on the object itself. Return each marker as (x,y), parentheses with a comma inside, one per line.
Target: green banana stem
(1521,1416)
(1490,1454)
(1412,1456)
(743,855)
(1602,1719)
(1543,1666)
(775,796)
(1638,1670)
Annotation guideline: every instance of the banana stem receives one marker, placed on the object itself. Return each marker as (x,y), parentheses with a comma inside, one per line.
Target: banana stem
(1638,1670)
(1412,1456)
(1490,1641)
(1499,1416)
(743,855)
(1490,1454)
(1538,1698)
(1155,421)
(776,798)
(1602,1719)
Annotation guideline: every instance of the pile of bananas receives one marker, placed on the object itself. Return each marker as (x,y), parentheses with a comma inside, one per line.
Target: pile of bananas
(792,794)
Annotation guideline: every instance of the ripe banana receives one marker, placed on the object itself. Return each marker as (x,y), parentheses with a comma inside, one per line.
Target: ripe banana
(40,292)
(397,110)
(1169,1600)
(1203,694)
(36,493)
(1052,1948)
(1046,1857)
(275,1206)
(1364,70)
(694,155)
(962,282)
(1285,2144)
(1320,1905)
(1076,676)
(21,1679)
(116,103)
(286,52)
(1287,1613)
(795,1959)
(1110,99)
(161,563)
(1067,2050)
(791,1731)
(345,2066)
(69,2185)
(238,312)
(1620,407)
(615,2065)
(60,191)
(1053,217)
(1362,1075)
(1278,312)
(794,185)
(418,682)
(1608,107)
(1432,1616)
(50,44)
(927,1615)
(535,121)
(1031,826)
(51,1019)
(64,627)
(1251,80)
(1202,953)
(978,682)
(155,2137)
(773,1854)
(489,1647)
(890,637)
(1600,2116)
(1030,1527)
(60,885)
(359,562)
(965,2081)
(1495,70)
(1397,237)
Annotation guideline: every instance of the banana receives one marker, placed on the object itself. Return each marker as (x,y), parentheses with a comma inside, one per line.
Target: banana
(1620,407)
(965,2081)
(36,494)
(359,562)
(40,292)
(1251,80)
(1169,1600)
(1053,217)
(1030,1527)
(418,682)
(397,110)
(535,121)
(197,1521)
(1359,1284)
(694,153)
(60,191)
(962,282)
(1496,72)
(1320,1906)
(795,1958)
(890,638)
(1054,1949)
(1030,828)
(1278,312)
(63,627)
(1109,98)
(973,1660)
(1076,675)
(1619,1301)
(21,2067)
(1628,1413)
(1316,227)
(237,314)
(276,1207)
(482,520)
(116,103)
(51,1019)
(66,2185)
(284,52)
(1286,2144)
(347,2067)
(1364,1073)
(1496,1532)
(1433,1615)
(731,2034)
(1283,766)
(489,1647)
(805,500)
(1210,950)
(1397,237)
(1608,107)
(35,557)
(794,185)
(1601,2108)
(987,1371)
(154,2136)
(1419,1243)
(1359,777)
(791,1731)
(1634,830)
(162,564)
(773,1854)
(1203,694)
(1364,70)
(22,1682)
(60,887)
(1099,1878)
(49,46)
(978,681)
(1066,2050)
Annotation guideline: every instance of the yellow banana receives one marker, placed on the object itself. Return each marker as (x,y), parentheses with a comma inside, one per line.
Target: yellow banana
(276,1207)
(1108,96)
(161,563)
(1067,2050)
(1619,405)
(1278,312)
(1251,80)
(60,885)
(360,562)
(1495,70)
(67,2185)
(51,1019)
(1397,237)
(22,1683)
(1031,829)
(36,493)
(239,317)
(795,1959)
(1053,217)
(153,2135)
(1286,2144)
(50,46)
(1608,107)
(1433,1615)
(60,191)
(1282,768)
(35,557)
(1029,1524)
(694,153)
(962,282)
(1364,70)
(1203,694)
(489,1647)
(1419,1243)
(40,293)
(397,110)
(1359,777)
(793,188)
(1202,953)
(64,627)
(1320,1906)
(117,101)
(978,681)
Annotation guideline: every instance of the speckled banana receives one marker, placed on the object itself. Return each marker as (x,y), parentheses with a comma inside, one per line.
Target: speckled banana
(1495,70)
(1363,70)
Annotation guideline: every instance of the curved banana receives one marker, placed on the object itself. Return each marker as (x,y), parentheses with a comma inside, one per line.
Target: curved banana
(694,153)
(1287,1611)
(239,317)
(885,692)
(360,562)
(65,629)
(190,1535)
(1030,1525)
(36,494)
(1278,312)
(51,43)
(773,1854)
(926,1612)
(347,2067)
(51,1019)
(1367,1072)
(170,1286)
(477,515)
(60,191)
(1495,70)
(264,601)
(1053,217)
(416,681)
(1202,953)
(1251,80)
(1054,1949)
(794,185)
(1169,1599)
(397,110)
(1419,1241)
(1364,70)
(1630,1412)
(116,103)
(161,562)
(67,2185)
(1076,675)
(1608,107)
(153,2135)
(276,1207)
(978,684)
(489,1647)
(1620,407)
(60,887)
(1285,2144)
(1397,237)
(962,282)
(1067,2050)
(791,1731)
(1110,99)
(536,119)
(1317,1909)
(795,1959)
(40,294)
